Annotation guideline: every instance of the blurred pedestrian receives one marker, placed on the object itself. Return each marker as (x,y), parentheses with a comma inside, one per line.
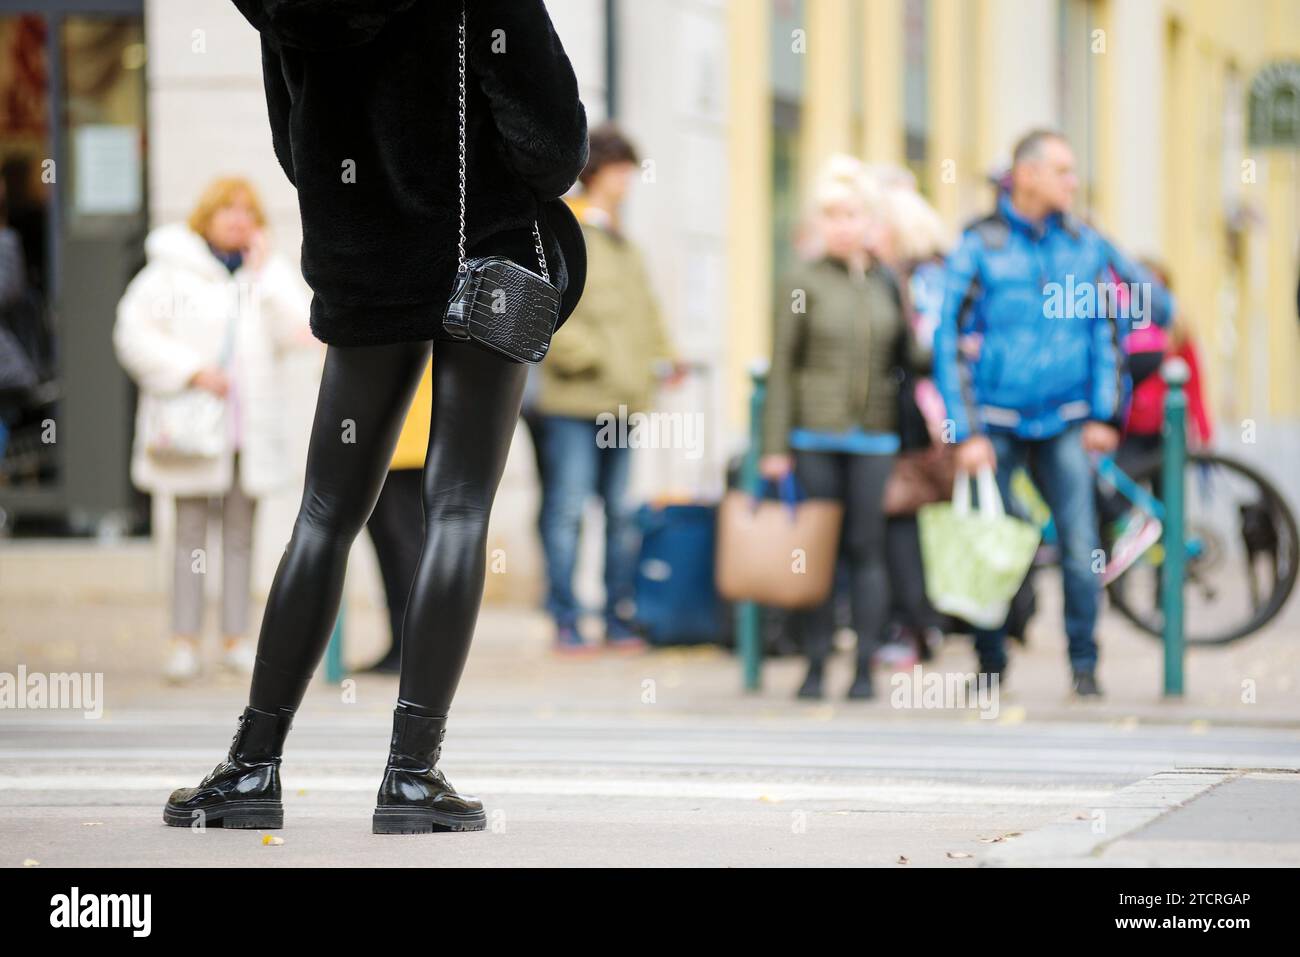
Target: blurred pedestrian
(27,346)
(428,116)
(1039,380)
(13,261)
(212,310)
(914,241)
(17,372)
(1145,352)
(1141,445)
(397,539)
(609,361)
(839,334)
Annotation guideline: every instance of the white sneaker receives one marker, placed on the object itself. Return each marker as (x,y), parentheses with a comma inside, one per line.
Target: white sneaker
(182,662)
(240,657)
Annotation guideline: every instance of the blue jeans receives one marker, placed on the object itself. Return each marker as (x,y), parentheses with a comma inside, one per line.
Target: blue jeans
(574,468)
(1062,472)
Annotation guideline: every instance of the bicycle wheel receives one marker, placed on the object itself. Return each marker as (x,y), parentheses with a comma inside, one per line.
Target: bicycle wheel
(1243,554)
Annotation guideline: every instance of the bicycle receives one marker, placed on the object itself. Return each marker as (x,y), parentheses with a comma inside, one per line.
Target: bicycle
(1241,540)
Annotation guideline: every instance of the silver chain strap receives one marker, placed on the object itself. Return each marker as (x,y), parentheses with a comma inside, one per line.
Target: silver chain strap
(537,235)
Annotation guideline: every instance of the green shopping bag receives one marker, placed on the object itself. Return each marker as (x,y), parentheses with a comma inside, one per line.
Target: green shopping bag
(975,561)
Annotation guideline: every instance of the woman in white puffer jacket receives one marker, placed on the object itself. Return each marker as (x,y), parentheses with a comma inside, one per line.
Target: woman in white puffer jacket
(212,309)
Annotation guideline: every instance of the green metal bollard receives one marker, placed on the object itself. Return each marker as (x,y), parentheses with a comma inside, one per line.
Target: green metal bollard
(334,652)
(749,638)
(1174,430)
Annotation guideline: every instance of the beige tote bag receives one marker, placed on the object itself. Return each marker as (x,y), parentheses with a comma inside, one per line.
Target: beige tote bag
(779,553)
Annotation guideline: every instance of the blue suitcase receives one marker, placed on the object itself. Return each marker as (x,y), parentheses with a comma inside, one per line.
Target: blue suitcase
(676,602)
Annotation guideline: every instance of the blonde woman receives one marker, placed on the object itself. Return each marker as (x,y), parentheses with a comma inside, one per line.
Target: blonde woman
(212,310)
(839,336)
(914,242)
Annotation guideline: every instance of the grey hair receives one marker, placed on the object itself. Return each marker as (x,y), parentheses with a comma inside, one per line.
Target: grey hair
(1030,146)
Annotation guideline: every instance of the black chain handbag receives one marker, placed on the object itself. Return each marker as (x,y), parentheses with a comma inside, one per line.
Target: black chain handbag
(496,301)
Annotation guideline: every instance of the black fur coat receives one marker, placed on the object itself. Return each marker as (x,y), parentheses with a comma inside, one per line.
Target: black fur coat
(362,99)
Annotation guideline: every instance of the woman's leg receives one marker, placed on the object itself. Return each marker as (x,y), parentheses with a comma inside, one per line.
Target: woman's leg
(238,511)
(365,392)
(864,531)
(476,400)
(907,572)
(188,592)
(622,538)
(569,472)
(819,475)
(187,582)
(397,539)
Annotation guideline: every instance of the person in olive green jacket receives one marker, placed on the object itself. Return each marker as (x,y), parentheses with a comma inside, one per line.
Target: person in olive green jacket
(831,412)
(608,359)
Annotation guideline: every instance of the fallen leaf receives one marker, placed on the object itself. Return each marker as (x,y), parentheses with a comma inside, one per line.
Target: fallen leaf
(29,862)
(903,860)
(272,839)
(958,855)
(1014,714)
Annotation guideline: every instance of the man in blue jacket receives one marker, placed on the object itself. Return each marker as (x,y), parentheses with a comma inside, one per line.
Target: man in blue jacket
(1028,358)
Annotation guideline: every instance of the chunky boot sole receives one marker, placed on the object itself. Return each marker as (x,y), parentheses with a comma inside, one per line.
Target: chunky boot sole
(420,820)
(234,814)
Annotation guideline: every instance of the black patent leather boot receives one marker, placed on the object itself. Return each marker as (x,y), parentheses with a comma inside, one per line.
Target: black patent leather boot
(415,797)
(244,789)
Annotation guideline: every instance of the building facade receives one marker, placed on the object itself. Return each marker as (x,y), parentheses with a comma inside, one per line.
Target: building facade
(732,104)
(1154,96)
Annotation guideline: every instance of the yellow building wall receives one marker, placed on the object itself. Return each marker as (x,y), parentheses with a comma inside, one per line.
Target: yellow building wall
(1210,39)
(828,105)
(882,62)
(1201,40)
(749,204)
(1282,211)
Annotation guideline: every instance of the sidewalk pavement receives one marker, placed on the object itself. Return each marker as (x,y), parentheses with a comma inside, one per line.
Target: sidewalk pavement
(661,758)
(1202,817)
(1255,681)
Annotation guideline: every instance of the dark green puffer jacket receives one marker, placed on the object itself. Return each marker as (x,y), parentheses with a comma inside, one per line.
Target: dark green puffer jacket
(837,342)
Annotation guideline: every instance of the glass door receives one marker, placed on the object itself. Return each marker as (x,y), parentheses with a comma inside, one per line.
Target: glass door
(72,138)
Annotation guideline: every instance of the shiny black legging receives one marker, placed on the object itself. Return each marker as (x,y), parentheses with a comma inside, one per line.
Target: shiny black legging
(365,392)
